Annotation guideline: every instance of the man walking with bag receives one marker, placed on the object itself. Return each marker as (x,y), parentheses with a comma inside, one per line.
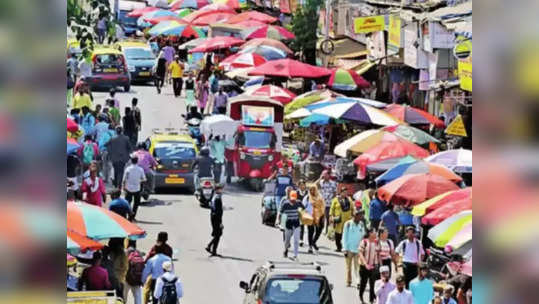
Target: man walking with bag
(289,208)
(216,218)
(353,233)
(168,287)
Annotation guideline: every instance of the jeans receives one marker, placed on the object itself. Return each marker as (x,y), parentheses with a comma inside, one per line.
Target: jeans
(410,272)
(217,171)
(369,276)
(314,232)
(136,196)
(352,267)
(135,290)
(288,234)
(177,84)
(301,232)
(118,173)
(338,241)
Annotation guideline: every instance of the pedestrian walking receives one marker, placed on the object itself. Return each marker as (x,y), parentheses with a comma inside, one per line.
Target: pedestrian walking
(376,209)
(190,92)
(118,149)
(138,117)
(220,102)
(283,180)
(383,287)
(202,94)
(153,270)
(217,152)
(88,121)
(114,112)
(112,96)
(390,220)
(302,192)
(132,183)
(168,287)
(314,205)
(328,188)
(176,70)
(101,29)
(120,265)
(135,269)
(169,53)
(148,163)
(129,123)
(160,70)
(88,152)
(400,295)
(289,209)
(422,288)
(368,255)
(93,187)
(160,245)
(386,249)
(95,277)
(411,252)
(216,219)
(353,232)
(341,210)
(119,205)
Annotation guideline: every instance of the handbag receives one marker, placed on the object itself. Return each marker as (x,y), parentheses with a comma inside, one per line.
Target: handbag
(331,233)
(305,218)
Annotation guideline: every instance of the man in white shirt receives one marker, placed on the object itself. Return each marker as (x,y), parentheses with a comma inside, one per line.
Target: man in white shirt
(411,252)
(132,183)
(383,287)
(399,295)
(168,284)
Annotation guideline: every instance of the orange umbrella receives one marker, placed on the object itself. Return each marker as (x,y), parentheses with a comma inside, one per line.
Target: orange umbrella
(77,243)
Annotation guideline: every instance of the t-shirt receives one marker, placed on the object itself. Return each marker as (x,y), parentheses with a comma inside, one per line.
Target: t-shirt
(133,176)
(120,206)
(221,100)
(292,214)
(396,297)
(115,113)
(384,249)
(82,100)
(368,249)
(377,208)
(168,53)
(176,70)
(96,278)
(391,221)
(283,181)
(422,290)
(410,255)
(189,84)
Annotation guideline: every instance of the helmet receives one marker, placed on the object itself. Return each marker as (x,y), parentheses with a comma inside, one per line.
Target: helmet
(205,151)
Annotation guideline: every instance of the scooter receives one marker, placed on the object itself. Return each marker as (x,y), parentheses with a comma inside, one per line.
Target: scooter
(438,261)
(193,125)
(205,191)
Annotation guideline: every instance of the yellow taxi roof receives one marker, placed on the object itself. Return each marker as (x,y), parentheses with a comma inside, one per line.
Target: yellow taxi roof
(105,50)
(173,137)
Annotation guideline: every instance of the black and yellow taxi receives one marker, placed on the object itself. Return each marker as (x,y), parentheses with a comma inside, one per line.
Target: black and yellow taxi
(175,153)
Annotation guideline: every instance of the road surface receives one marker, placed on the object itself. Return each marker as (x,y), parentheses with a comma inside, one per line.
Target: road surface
(246,243)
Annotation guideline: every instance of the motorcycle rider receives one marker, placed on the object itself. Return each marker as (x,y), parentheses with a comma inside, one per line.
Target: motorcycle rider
(193,113)
(205,165)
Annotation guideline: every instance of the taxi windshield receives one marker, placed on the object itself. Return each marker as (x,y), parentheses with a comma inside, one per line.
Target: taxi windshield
(294,290)
(139,53)
(174,150)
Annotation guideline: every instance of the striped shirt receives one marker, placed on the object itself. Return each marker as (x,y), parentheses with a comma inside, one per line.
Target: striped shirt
(368,249)
(291,212)
(385,248)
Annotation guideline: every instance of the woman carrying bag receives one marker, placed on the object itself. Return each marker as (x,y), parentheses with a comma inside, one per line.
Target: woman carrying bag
(313,217)
(340,212)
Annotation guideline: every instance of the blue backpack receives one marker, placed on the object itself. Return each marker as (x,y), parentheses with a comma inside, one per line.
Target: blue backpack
(88,153)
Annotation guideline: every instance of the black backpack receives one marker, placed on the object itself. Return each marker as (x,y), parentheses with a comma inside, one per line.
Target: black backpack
(169,295)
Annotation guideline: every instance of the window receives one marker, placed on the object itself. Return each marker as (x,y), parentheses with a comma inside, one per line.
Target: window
(255,139)
(294,290)
(174,150)
(139,53)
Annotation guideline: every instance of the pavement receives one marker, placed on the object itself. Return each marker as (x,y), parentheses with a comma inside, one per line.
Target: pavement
(246,243)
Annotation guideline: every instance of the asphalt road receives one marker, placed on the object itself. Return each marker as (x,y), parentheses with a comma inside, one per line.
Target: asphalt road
(246,243)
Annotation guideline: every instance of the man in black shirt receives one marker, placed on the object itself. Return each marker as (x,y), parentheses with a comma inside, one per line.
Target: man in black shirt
(216,217)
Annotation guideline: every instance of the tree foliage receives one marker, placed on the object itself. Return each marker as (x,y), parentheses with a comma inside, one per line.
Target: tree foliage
(304,26)
(82,17)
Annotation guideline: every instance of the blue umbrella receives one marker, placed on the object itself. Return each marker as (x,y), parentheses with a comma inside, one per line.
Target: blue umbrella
(72,146)
(317,119)
(387,164)
(268,52)
(396,171)
(160,27)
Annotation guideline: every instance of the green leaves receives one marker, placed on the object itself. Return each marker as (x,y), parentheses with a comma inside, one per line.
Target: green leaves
(304,26)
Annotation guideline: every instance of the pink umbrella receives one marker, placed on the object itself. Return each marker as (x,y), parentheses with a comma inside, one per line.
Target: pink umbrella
(246,23)
(216,43)
(289,68)
(209,9)
(282,95)
(462,237)
(446,211)
(243,60)
(216,17)
(157,20)
(269,31)
(252,15)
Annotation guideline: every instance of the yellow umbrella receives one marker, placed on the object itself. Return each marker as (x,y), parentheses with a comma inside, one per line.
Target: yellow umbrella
(447,197)
(363,142)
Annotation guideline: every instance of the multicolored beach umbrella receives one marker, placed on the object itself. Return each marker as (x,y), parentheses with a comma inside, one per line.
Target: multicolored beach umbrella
(346,80)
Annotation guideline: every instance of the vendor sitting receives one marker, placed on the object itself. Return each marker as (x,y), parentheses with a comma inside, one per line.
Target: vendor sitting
(316,150)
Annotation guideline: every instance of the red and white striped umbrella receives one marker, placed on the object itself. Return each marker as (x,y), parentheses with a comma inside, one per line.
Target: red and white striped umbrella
(282,95)
(245,60)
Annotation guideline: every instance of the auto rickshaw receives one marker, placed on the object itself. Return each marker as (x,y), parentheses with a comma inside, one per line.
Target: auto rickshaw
(257,140)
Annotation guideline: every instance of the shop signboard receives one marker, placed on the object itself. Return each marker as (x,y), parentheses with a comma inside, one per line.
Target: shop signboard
(465,74)
(413,56)
(433,66)
(394,34)
(369,24)
(440,37)
(456,127)
(376,46)
(257,116)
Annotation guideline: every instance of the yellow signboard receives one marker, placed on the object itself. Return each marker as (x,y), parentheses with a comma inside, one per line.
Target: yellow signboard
(456,127)
(394,37)
(465,74)
(369,24)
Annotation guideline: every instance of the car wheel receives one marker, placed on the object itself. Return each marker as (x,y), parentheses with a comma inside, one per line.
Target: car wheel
(127,88)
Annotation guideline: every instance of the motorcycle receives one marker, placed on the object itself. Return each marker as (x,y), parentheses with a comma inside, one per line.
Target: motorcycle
(193,126)
(438,261)
(205,191)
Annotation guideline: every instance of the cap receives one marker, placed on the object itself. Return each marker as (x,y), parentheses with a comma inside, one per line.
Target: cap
(358,211)
(384,268)
(167,266)
(293,195)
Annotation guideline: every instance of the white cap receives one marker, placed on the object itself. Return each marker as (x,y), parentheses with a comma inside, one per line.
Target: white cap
(384,268)
(167,266)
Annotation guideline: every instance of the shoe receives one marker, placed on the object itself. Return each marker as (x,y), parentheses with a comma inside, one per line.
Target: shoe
(208,250)
(315,247)
(214,254)
(310,250)
(338,250)
(285,253)
(301,244)
(295,258)
(348,284)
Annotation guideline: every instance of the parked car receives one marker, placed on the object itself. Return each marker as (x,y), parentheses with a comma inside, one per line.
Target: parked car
(175,153)
(140,59)
(287,283)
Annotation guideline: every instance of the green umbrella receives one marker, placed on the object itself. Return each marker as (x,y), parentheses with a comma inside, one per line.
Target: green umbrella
(308,98)
(184,12)
(412,134)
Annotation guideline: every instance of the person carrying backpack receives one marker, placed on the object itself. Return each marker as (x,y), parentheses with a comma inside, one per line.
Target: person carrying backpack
(133,277)
(168,287)
(411,252)
(88,151)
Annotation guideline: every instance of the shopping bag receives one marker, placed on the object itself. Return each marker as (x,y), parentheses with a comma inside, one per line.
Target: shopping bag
(331,233)
(305,217)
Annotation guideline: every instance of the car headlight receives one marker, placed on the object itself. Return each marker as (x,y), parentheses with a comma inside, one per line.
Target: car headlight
(270,157)
(160,167)
(131,68)
(242,155)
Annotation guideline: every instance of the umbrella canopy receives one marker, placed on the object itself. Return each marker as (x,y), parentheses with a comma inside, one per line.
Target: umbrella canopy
(157,20)
(369,102)
(448,228)
(183,30)
(77,243)
(268,31)
(466,268)
(446,211)
(99,223)
(290,68)
(412,134)
(460,238)
(299,113)
(317,119)
(183,12)
(215,17)
(386,150)
(412,189)
(162,26)
(441,200)
(346,80)
(459,160)
(267,42)
(413,115)
(308,98)
(209,9)
(158,13)
(72,126)
(419,166)
(252,15)
(216,43)
(235,4)
(192,44)
(246,24)
(218,124)
(282,95)
(268,52)
(72,145)
(242,73)
(386,164)
(141,11)
(188,3)
(245,60)
(357,112)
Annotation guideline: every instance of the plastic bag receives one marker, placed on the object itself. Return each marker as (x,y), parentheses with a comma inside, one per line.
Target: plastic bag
(331,233)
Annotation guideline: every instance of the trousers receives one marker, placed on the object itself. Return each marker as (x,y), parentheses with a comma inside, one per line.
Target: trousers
(410,272)
(129,196)
(118,173)
(135,290)
(177,84)
(288,234)
(352,267)
(338,241)
(367,276)
(216,234)
(314,232)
